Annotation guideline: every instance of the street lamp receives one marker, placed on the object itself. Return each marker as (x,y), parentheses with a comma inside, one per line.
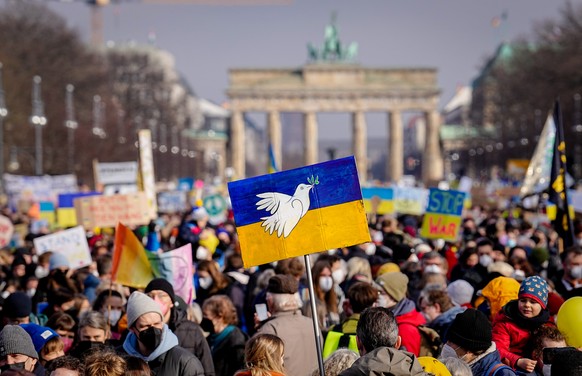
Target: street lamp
(38,121)
(71,125)
(3,114)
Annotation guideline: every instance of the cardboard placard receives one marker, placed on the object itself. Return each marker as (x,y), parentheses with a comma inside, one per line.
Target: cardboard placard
(72,243)
(107,211)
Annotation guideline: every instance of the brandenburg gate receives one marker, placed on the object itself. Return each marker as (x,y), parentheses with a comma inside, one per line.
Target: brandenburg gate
(336,85)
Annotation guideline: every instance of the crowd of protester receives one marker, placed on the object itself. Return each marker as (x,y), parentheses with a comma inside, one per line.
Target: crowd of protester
(486,305)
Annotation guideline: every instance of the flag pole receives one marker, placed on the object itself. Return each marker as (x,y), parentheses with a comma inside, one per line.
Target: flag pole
(314,316)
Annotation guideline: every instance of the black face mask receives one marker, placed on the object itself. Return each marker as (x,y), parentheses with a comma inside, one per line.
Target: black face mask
(151,337)
(6,367)
(207,325)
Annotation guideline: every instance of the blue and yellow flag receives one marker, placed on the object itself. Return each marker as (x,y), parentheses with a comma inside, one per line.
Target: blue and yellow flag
(300,211)
(272,162)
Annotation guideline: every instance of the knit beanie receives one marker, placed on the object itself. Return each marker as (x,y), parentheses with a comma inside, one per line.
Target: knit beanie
(15,340)
(535,288)
(471,330)
(39,335)
(394,284)
(162,285)
(58,260)
(461,292)
(139,304)
(17,305)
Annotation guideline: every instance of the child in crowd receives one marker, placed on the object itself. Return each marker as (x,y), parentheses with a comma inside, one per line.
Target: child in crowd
(514,324)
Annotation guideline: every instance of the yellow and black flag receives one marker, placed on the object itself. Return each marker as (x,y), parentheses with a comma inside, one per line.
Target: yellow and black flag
(558,192)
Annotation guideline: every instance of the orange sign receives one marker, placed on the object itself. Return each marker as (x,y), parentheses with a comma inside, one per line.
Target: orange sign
(107,211)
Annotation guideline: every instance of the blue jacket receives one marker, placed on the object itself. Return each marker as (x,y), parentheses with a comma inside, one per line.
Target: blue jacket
(484,366)
(442,323)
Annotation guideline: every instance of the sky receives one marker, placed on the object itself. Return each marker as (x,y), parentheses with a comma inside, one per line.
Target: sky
(454,36)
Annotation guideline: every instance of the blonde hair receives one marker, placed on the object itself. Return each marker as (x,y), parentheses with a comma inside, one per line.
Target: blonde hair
(360,266)
(53,345)
(263,354)
(105,363)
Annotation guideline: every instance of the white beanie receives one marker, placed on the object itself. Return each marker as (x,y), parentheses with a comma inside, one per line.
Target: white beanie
(460,292)
(139,304)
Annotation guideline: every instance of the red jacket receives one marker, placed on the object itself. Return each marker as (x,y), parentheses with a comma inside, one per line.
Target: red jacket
(510,339)
(408,330)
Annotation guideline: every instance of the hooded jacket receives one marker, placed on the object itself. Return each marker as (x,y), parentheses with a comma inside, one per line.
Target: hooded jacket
(168,358)
(385,361)
(408,320)
(484,363)
(499,292)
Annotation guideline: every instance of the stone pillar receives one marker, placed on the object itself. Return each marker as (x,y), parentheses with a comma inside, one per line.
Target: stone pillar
(432,158)
(395,168)
(310,137)
(360,146)
(237,144)
(275,137)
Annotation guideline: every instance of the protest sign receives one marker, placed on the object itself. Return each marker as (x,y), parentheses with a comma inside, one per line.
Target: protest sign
(172,202)
(37,188)
(378,200)
(116,173)
(107,211)
(6,231)
(443,215)
(410,200)
(72,243)
(300,211)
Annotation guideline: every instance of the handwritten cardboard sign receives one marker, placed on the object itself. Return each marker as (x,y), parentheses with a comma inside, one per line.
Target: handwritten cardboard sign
(72,243)
(6,231)
(443,215)
(107,211)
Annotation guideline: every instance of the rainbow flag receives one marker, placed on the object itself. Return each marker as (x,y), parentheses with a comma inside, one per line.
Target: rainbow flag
(135,267)
(300,211)
(131,266)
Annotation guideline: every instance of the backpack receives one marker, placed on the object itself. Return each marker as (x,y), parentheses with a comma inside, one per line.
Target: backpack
(430,342)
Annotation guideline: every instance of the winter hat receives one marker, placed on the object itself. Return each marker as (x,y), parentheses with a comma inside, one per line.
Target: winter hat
(17,305)
(58,260)
(555,301)
(536,288)
(282,284)
(139,304)
(162,285)
(433,367)
(471,330)
(394,284)
(461,292)
(199,213)
(39,335)
(15,340)
(388,267)
(499,292)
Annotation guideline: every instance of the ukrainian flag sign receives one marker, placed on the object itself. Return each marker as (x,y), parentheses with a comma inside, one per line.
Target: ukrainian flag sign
(297,212)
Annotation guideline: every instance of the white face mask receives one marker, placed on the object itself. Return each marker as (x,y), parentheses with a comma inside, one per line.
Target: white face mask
(202,253)
(485,260)
(518,275)
(40,272)
(370,249)
(448,352)
(325,283)
(338,275)
(205,282)
(385,301)
(576,272)
(113,316)
(31,292)
(433,269)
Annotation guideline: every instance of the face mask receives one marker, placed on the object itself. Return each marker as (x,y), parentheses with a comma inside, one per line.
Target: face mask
(113,316)
(432,269)
(40,272)
(338,276)
(448,352)
(518,275)
(31,292)
(439,243)
(485,260)
(207,325)
(68,343)
(151,337)
(576,272)
(370,249)
(511,243)
(413,258)
(202,253)
(325,283)
(163,307)
(547,370)
(6,367)
(384,301)
(205,282)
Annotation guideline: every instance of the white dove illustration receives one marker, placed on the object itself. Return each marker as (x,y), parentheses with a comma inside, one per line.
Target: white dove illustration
(286,211)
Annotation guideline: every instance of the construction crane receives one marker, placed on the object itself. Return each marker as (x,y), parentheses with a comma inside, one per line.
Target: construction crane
(97,12)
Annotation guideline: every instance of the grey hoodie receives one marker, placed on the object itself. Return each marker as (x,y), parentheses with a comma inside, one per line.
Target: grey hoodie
(386,361)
